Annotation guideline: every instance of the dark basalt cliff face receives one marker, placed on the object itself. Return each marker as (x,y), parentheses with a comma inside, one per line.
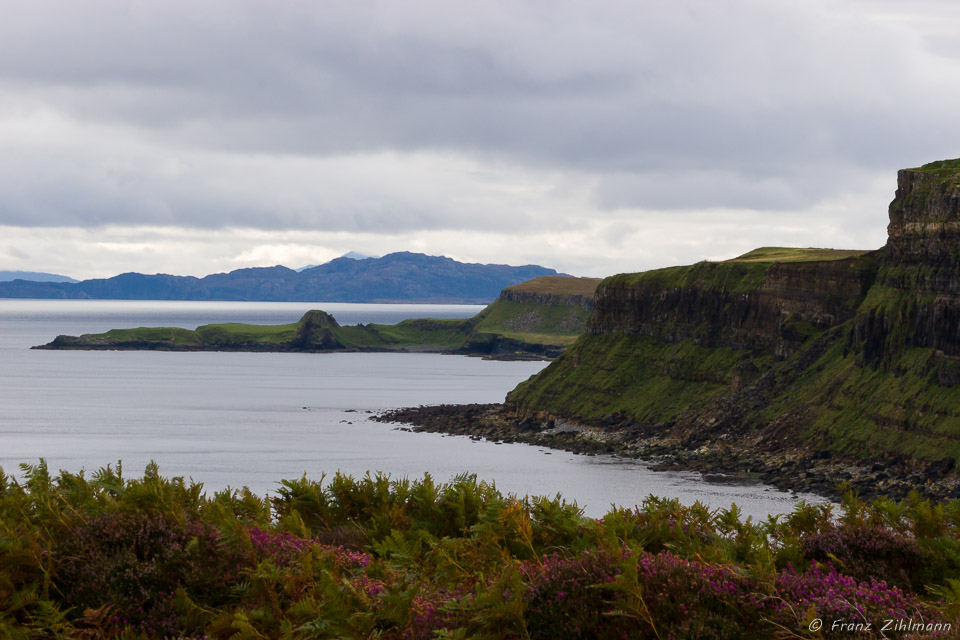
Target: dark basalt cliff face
(925,217)
(744,306)
(856,358)
(916,303)
(546,299)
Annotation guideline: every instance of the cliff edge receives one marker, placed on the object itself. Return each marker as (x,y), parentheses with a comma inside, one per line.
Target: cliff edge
(783,357)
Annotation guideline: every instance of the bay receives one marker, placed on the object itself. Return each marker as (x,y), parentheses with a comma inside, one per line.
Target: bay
(234,419)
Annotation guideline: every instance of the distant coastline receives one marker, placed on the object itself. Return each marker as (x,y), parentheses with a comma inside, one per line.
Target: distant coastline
(537,319)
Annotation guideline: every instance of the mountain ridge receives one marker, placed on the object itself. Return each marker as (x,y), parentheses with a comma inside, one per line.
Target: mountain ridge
(397,277)
(34,276)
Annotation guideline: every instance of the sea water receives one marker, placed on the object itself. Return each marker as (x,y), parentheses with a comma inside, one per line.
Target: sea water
(234,419)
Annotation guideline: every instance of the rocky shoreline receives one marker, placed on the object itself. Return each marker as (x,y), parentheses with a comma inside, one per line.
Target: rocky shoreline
(794,468)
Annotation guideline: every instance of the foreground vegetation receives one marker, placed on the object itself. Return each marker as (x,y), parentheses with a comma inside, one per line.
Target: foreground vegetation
(152,557)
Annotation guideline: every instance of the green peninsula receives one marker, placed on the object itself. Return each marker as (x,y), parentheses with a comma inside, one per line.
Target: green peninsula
(537,319)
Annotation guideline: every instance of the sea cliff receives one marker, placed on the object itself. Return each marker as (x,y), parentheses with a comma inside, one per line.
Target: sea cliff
(805,368)
(852,360)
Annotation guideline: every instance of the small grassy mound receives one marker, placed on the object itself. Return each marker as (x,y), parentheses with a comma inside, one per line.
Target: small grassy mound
(795,254)
(559,285)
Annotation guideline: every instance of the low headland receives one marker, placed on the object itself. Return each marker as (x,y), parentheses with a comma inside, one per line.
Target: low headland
(536,319)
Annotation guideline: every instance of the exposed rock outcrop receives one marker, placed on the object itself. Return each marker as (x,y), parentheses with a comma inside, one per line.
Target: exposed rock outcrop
(925,217)
(315,332)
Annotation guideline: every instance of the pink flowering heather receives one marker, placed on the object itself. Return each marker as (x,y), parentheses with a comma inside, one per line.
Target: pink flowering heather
(435,609)
(284,548)
(838,597)
(689,599)
(869,553)
(279,546)
(564,598)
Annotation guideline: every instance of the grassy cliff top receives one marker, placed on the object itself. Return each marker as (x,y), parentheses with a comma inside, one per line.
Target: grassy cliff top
(558,284)
(939,165)
(741,274)
(729,276)
(793,254)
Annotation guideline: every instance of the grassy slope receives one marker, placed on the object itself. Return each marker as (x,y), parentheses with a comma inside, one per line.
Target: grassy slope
(542,324)
(558,285)
(556,324)
(872,411)
(728,276)
(891,406)
(641,377)
(940,165)
(427,331)
(172,335)
(247,333)
(790,254)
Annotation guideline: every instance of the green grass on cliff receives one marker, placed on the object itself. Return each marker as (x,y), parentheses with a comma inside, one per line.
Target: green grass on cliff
(237,333)
(859,389)
(558,285)
(791,254)
(873,411)
(741,274)
(427,331)
(860,411)
(642,377)
(726,276)
(940,165)
(169,335)
(552,324)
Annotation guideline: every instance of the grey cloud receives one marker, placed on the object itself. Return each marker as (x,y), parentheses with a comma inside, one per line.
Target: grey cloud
(742,104)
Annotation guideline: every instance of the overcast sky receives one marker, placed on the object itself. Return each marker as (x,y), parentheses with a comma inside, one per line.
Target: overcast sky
(592,137)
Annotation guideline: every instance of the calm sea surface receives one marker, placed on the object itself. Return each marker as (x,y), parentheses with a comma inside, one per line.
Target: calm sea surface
(233,419)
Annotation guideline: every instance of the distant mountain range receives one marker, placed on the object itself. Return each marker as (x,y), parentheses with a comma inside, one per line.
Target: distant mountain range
(34,276)
(397,277)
